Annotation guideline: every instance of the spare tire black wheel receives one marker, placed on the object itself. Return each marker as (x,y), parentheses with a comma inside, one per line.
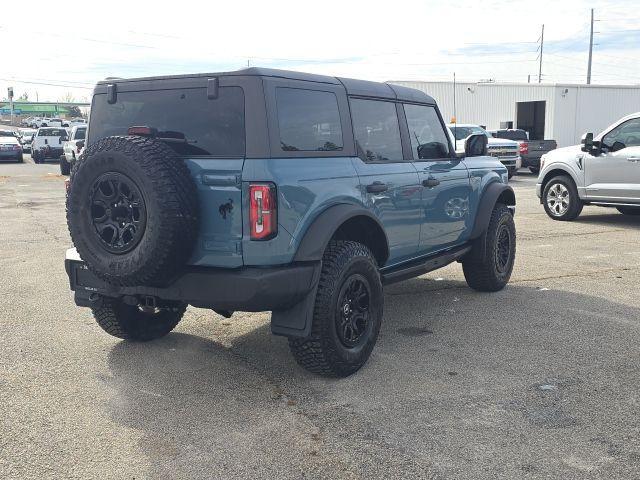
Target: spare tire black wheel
(132,211)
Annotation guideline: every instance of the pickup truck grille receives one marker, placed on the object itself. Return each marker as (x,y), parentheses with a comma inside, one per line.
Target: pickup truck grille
(503,152)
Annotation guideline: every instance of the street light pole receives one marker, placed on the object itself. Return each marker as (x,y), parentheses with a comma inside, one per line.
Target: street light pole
(590,51)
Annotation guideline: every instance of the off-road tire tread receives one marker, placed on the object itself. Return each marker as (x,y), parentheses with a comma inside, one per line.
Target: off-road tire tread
(128,323)
(478,266)
(178,223)
(317,353)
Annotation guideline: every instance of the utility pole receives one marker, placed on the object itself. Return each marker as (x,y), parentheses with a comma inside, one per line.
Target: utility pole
(541,49)
(590,51)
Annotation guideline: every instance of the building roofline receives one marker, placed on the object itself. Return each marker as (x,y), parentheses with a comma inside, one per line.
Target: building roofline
(516,84)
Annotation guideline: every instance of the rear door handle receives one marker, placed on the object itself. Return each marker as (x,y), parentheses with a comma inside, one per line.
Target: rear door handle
(377,187)
(430,182)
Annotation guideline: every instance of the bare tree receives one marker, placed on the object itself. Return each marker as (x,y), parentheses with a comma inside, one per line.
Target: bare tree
(67,98)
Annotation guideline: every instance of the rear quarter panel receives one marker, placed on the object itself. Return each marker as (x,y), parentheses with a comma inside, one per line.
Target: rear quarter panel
(306,187)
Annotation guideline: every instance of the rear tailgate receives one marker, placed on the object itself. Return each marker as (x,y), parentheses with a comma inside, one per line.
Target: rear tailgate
(211,141)
(537,148)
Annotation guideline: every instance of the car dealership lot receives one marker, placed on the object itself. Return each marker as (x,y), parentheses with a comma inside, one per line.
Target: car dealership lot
(540,380)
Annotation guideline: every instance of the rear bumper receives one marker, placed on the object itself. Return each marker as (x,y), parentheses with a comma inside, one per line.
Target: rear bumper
(250,289)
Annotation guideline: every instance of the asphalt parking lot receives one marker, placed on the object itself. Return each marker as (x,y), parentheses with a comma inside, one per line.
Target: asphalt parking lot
(541,380)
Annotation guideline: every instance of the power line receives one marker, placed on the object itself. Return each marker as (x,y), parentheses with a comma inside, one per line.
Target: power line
(15,80)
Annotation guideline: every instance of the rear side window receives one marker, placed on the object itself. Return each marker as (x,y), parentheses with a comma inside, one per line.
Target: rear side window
(376,129)
(428,138)
(189,122)
(308,120)
(80,133)
(52,132)
(512,134)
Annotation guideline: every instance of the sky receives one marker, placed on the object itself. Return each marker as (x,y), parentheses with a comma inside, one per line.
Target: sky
(64,51)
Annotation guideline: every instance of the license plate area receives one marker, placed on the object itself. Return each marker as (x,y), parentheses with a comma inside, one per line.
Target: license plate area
(84,279)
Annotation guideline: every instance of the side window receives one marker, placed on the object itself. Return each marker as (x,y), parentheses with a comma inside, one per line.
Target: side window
(428,138)
(625,135)
(308,120)
(376,129)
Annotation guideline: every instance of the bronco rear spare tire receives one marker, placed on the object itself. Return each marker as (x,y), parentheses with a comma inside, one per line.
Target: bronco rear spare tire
(132,211)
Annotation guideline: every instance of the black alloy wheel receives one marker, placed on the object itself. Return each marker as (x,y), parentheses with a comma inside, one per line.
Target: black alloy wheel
(352,315)
(118,212)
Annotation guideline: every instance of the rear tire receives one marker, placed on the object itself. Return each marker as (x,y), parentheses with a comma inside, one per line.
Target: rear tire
(347,312)
(488,267)
(65,167)
(629,210)
(129,322)
(560,199)
(534,170)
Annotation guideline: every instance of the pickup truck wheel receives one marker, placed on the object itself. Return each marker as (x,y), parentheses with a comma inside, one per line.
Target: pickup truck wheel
(511,171)
(65,167)
(560,199)
(131,322)
(488,267)
(347,312)
(132,211)
(629,210)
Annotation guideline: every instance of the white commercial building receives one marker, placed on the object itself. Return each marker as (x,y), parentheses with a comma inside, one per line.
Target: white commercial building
(563,112)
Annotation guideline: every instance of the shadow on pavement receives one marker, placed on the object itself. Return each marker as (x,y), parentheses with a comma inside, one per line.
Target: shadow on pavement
(521,383)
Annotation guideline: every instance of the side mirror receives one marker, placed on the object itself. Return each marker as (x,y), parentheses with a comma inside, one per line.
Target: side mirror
(587,142)
(476,145)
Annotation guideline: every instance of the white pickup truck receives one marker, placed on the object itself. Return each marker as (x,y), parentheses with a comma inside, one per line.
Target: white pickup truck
(604,171)
(507,151)
(72,148)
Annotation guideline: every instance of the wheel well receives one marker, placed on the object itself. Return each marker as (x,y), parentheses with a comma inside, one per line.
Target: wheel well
(554,173)
(366,231)
(507,198)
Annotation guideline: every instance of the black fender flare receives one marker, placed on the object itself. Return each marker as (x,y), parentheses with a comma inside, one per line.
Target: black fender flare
(317,236)
(488,200)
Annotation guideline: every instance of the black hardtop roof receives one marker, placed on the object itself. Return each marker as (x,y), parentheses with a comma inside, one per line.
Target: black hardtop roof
(353,86)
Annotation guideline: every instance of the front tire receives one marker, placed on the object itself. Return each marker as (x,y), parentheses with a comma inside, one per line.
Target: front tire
(629,210)
(488,267)
(560,199)
(347,312)
(130,322)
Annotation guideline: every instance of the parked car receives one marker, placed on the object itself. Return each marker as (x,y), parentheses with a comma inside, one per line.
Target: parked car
(73,122)
(9,133)
(165,211)
(34,122)
(604,171)
(507,151)
(47,143)
(26,138)
(26,122)
(54,122)
(10,148)
(530,150)
(72,148)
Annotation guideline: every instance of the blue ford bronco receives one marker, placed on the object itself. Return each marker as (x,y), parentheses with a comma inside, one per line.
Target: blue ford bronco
(270,190)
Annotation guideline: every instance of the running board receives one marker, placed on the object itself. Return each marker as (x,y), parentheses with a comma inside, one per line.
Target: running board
(424,265)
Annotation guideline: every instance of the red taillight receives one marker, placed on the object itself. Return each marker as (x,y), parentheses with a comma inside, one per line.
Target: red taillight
(524,148)
(263,211)
(143,131)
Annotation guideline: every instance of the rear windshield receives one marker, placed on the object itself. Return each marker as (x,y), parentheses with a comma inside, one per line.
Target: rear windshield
(512,134)
(189,122)
(52,132)
(80,134)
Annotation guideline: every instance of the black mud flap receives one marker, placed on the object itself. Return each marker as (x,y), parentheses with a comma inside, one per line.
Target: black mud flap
(297,320)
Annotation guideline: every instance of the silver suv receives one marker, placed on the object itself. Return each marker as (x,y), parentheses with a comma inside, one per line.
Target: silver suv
(604,171)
